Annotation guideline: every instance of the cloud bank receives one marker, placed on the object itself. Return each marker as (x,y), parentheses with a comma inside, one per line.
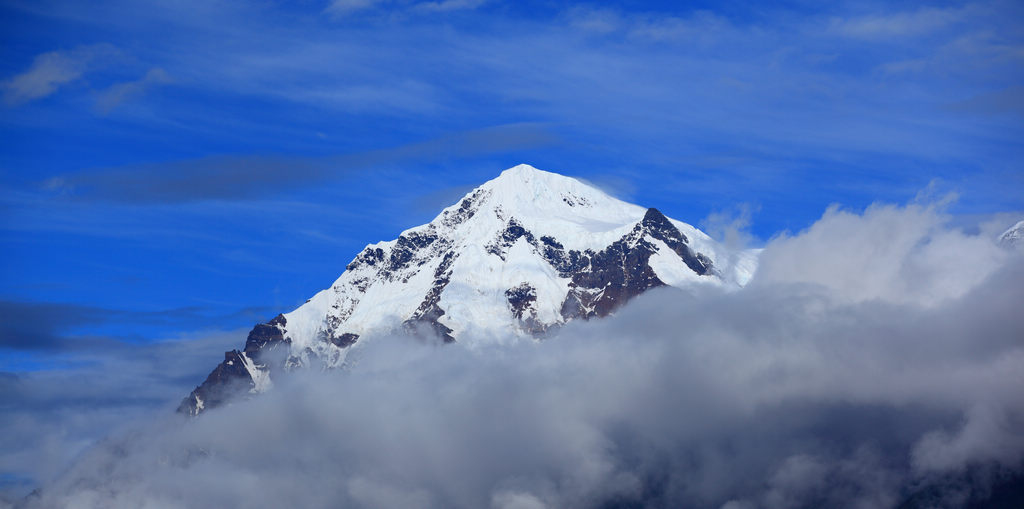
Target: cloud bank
(875,358)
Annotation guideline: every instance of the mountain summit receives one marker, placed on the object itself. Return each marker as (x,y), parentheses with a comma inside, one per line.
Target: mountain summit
(523,253)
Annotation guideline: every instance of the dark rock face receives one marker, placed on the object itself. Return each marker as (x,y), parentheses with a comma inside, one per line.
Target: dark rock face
(622,270)
(602,281)
(228,379)
(520,299)
(407,252)
(345,340)
(369,256)
(566,263)
(429,312)
(467,208)
(618,273)
(658,226)
(513,232)
(265,337)
(405,249)
(521,302)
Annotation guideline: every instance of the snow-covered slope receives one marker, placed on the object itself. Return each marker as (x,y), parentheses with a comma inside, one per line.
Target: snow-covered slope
(522,253)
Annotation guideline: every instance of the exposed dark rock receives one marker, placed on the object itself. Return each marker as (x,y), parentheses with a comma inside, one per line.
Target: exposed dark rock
(429,312)
(406,247)
(565,262)
(521,299)
(551,242)
(573,306)
(370,256)
(265,337)
(658,226)
(574,201)
(512,232)
(228,380)
(401,256)
(467,208)
(619,272)
(345,340)
(522,302)
(605,280)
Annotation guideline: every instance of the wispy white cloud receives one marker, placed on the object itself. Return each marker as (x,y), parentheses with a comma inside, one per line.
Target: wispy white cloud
(248,177)
(345,7)
(341,8)
(116,94)
(897,24)
(52,70)
(701,25)
(600,21)
(449,5)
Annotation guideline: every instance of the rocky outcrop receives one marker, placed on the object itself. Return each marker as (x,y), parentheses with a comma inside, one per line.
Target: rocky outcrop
(240,372)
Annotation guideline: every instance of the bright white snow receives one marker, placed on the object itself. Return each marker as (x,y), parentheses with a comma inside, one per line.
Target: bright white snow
(476,308)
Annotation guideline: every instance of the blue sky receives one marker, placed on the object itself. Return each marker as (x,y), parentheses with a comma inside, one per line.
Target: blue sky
(174,168)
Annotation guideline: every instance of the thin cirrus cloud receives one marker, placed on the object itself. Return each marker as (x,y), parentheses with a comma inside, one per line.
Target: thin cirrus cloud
(251,177)
(449,5)
(898,24)
(345,7)
(55,327)
(119,92)
(52,70)
(342,7)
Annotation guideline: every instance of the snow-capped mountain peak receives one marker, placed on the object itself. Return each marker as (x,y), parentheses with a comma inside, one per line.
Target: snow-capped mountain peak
(528,191)
(519,255)
(545,203)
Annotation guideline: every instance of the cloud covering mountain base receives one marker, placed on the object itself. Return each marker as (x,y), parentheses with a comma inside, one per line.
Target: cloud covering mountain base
(875,358)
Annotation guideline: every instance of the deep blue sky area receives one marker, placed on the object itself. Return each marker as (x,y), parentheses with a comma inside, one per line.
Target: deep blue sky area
(172,168)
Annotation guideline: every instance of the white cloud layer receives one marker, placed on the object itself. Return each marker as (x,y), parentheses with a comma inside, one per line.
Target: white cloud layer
(874,353)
